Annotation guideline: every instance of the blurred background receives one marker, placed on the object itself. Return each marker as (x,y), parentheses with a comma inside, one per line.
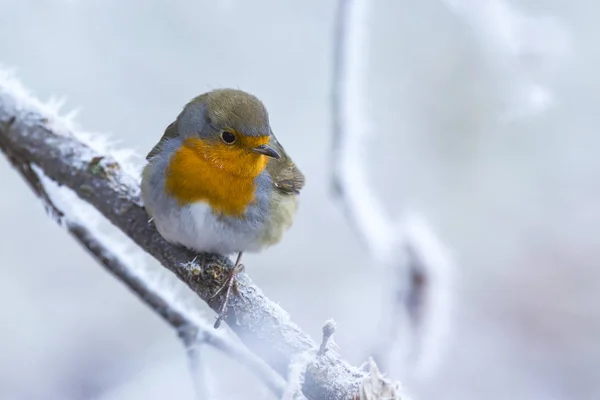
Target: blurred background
(481,118)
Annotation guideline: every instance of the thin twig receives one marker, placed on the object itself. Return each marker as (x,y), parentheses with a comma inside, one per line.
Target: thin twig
(328,331)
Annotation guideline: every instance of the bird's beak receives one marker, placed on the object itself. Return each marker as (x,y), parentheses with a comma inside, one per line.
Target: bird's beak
(266,151)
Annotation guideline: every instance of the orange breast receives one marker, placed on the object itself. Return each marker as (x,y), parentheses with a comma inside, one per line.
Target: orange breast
(217,174)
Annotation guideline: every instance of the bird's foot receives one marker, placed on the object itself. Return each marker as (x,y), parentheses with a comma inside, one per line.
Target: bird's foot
(229,285)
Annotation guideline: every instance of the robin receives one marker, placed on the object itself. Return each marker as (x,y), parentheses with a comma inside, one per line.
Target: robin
(218,181)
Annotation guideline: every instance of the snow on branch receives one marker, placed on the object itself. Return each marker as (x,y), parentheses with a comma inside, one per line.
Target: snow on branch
(328,331)
(394,244)
(192,329)
(376,386)
(32,135)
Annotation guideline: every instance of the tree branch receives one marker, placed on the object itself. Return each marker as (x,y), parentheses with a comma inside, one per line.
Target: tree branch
(40,138)
(391,243)
(192,330)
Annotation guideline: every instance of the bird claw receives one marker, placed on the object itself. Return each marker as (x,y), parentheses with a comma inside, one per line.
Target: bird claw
(230,284)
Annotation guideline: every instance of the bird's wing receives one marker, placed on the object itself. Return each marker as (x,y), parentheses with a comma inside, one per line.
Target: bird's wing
(285,174)
(170,133)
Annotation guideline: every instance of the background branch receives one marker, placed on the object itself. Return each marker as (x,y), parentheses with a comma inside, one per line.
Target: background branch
(44,140)
(391,243)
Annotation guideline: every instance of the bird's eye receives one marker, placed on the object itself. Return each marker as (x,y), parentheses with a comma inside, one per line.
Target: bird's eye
(228,137)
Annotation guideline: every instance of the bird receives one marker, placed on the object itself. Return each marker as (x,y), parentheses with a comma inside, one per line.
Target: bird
(218,180)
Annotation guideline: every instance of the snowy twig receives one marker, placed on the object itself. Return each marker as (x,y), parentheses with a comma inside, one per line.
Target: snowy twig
(192,330)
(388,242)
(328,331)
(299,364)
(43,139)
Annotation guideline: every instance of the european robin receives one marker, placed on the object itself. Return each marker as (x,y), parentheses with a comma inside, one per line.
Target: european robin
(218,181)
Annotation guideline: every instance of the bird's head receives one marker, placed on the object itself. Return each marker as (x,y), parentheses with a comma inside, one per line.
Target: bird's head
(230,128)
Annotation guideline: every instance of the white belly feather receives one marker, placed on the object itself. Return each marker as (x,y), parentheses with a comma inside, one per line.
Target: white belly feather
(196,227)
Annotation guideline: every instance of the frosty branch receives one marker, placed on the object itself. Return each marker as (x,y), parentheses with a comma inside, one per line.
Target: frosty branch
(397,245)
(45,141)
(192,330)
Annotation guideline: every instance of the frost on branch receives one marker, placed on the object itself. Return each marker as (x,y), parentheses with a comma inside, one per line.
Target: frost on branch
(295,380)
(82,223)
(36,140)
(328,331)
(375,386)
